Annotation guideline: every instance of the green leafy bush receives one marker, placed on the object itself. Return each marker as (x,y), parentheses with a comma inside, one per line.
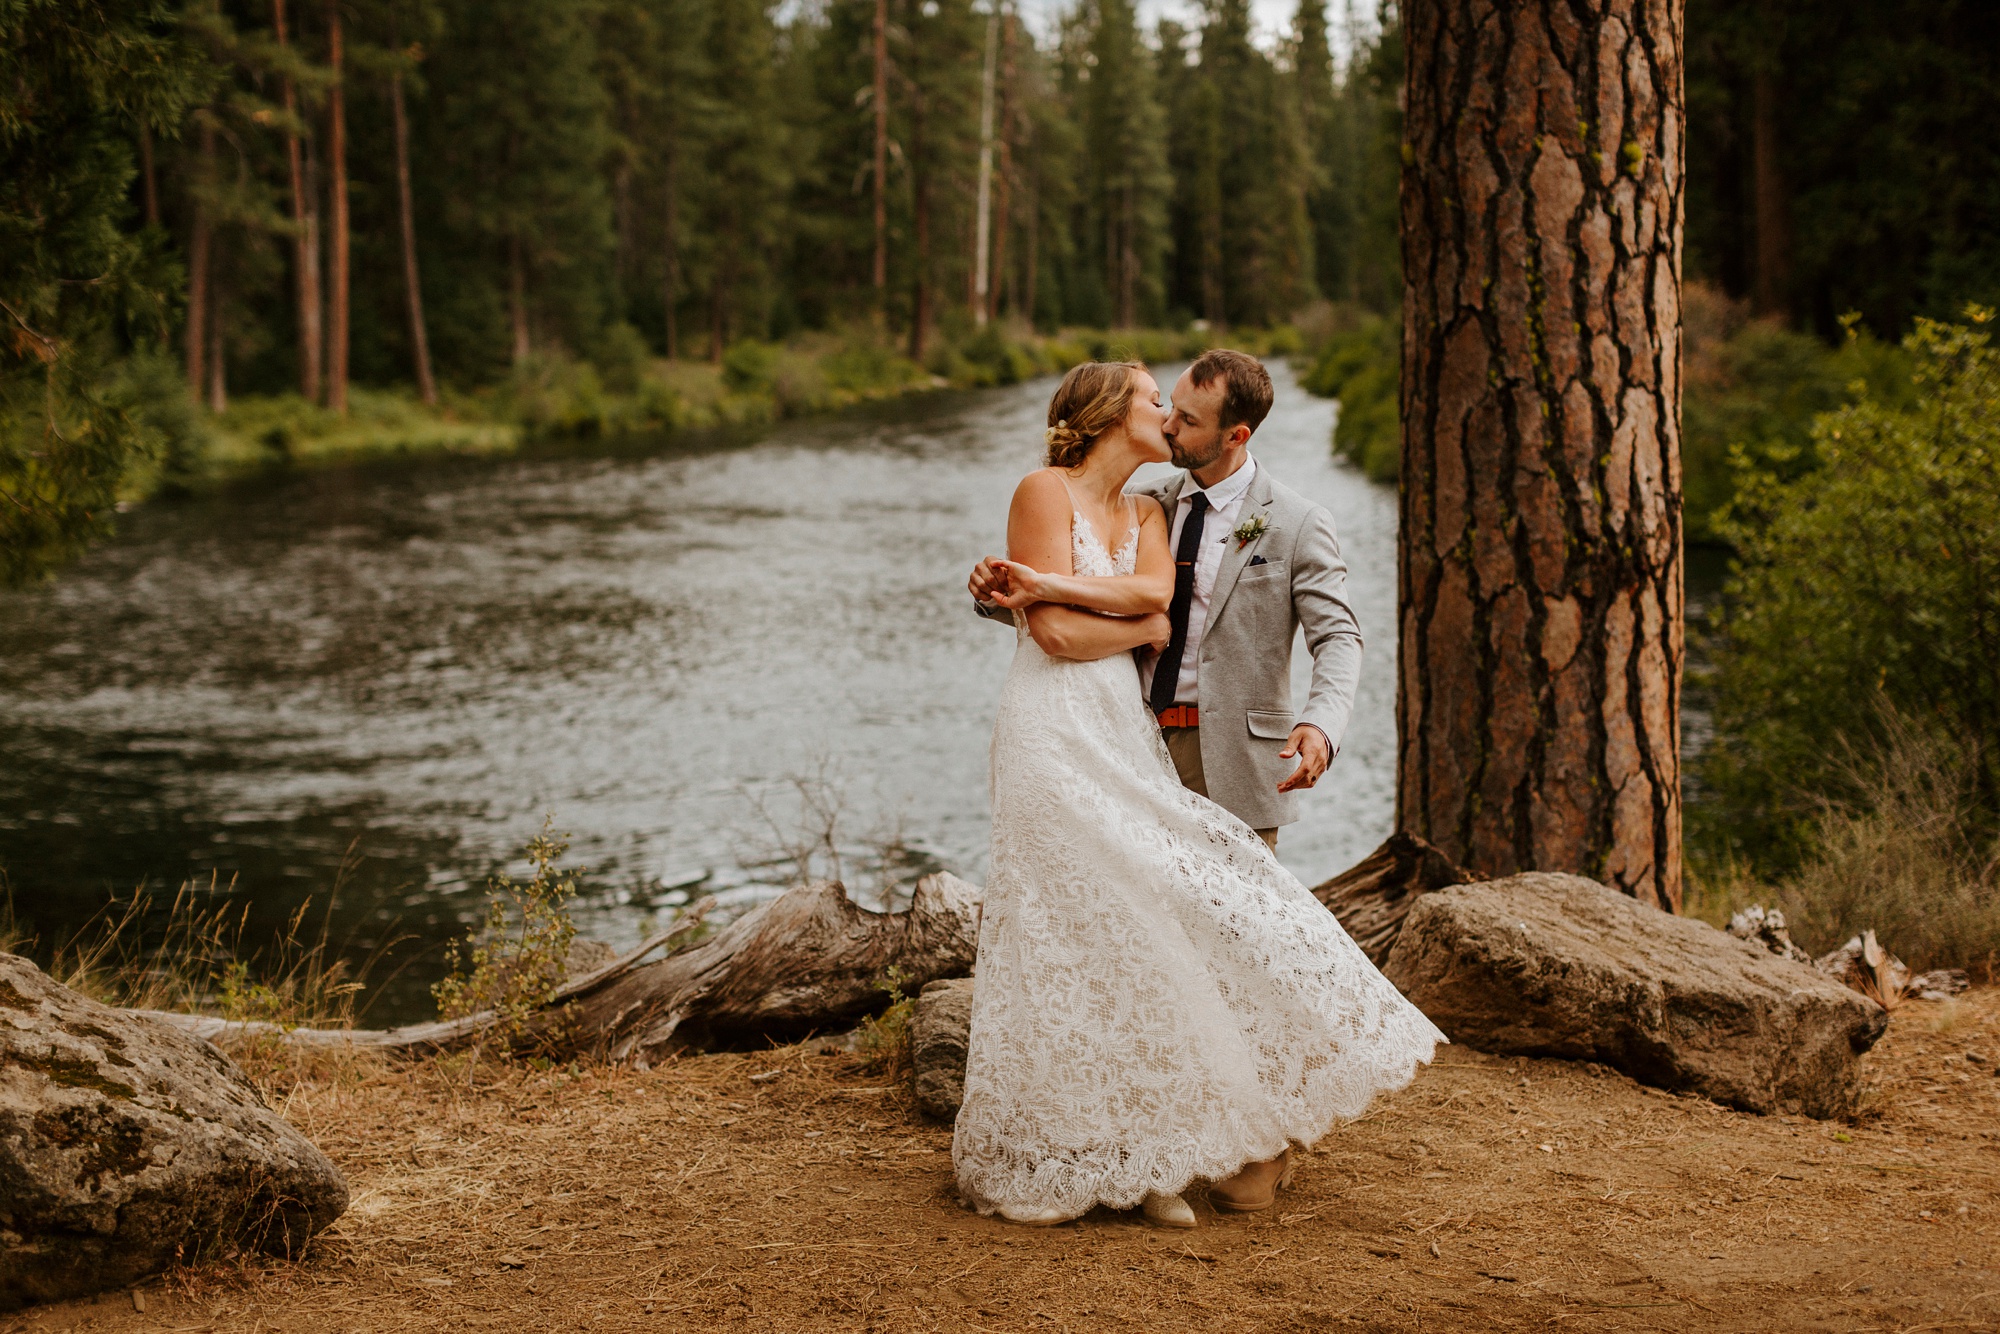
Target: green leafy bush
(1870,582)
(1754,386)
(515,963)
(1362,368)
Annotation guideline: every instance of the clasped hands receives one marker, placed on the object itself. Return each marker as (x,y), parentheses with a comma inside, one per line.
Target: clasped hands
(1007,583)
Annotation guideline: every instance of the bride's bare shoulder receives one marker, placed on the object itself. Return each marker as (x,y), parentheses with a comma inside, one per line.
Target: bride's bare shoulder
(1041,491)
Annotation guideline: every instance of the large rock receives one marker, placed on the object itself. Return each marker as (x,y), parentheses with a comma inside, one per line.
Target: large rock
(1556,965)
(938,1032)
(126,1145)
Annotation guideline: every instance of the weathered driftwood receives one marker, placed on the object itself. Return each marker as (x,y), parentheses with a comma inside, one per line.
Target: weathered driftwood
(1372,897)
(811,959)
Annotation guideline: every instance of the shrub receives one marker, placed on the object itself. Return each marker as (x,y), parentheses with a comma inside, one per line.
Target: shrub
(750,367)
(1755,387)
(1362,368)
(1868,583)
(1904,856)
(514,965)
(622,358)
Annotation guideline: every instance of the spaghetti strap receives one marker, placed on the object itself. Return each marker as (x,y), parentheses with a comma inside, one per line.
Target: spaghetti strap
(1074,508)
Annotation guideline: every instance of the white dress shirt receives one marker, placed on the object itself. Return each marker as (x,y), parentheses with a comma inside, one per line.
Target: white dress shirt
(1225,502)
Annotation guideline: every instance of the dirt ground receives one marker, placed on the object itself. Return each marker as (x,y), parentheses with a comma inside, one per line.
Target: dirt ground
(790,1191)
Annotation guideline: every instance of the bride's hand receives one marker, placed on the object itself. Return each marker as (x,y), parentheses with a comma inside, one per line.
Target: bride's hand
(1019,586)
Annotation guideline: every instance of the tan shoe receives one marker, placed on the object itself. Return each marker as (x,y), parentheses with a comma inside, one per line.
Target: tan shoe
(1253,1189)
(1167,1210)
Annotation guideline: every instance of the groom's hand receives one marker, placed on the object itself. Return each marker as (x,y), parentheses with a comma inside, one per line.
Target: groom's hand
(985,581)
(1309,744)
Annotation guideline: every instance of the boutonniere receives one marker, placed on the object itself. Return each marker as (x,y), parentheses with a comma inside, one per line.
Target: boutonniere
(1248,531)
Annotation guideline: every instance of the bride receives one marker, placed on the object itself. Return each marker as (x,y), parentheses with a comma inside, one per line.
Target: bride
(1157,1001)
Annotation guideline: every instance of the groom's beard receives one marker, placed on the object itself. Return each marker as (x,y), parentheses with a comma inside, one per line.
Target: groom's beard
(1192,459)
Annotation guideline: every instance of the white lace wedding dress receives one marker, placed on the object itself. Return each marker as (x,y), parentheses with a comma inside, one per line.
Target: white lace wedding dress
(1156,1000)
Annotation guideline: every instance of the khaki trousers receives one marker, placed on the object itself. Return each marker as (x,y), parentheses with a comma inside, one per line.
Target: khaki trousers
(1184,744)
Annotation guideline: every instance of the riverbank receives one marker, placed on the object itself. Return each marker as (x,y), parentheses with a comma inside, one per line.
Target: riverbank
(623,390)
(787,1190)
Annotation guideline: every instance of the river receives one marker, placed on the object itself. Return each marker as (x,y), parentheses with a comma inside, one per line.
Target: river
(697,657)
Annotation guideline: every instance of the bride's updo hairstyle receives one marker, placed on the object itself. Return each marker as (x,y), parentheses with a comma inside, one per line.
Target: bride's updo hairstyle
(1091,399)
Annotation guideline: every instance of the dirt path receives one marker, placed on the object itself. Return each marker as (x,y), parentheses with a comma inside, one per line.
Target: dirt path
(792,1192)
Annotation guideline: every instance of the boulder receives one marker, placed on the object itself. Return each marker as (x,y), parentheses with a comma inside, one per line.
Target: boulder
(1556,965)
(1372,897)
(938,1032)
(126,1145)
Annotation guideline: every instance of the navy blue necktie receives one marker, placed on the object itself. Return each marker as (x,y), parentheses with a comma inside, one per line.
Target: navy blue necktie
(1167,674)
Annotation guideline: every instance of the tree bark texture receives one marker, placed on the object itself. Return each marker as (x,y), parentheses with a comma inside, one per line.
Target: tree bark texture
(1539,577)
(420,343)
(337,271)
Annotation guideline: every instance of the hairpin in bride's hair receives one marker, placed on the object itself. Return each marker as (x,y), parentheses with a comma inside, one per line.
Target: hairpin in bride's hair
(1060,435)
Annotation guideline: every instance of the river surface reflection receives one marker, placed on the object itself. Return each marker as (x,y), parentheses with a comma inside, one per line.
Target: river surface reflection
(680,652)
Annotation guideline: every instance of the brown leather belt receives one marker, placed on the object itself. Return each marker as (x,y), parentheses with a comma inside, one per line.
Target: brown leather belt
(1181,715)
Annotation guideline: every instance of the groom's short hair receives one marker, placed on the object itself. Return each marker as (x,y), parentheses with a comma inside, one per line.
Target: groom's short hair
(1246,386)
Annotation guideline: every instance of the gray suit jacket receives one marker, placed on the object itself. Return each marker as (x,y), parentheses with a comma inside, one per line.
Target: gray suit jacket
(1246,646)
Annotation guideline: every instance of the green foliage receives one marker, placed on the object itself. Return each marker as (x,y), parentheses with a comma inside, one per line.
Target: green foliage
(78,285)
(1871,581)
(884,1039)
(1361,368)
(515,964)
(1754,387)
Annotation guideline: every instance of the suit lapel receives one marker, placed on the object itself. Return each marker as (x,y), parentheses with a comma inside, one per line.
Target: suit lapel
(1168,493)
(1236,556)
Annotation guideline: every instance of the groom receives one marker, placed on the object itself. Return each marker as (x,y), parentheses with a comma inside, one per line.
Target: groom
(1254,562)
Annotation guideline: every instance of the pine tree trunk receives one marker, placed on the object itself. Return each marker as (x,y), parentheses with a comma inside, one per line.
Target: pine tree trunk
(1539,579)
(1128,260)
(196,333)
(218,367)
(1030,276)
(420,343)
(305,241)
(1774,242)
(517,298)
(149,180)
(920,306)
(671,225)
(718,317)
(999,288)
(881,108)
(337,276)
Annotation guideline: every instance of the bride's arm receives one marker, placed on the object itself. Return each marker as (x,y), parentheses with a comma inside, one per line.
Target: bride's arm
(1039,568)
(1067,632)
(1038,539)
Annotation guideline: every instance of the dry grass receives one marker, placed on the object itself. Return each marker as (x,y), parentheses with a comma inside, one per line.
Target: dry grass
(193,954)
(1904,855)
(791,1191)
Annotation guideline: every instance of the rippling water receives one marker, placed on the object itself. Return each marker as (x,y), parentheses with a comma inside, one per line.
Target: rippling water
(676,651)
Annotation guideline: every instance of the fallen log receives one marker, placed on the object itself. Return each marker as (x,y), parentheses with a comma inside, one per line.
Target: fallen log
(1372,897)
(809,960)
